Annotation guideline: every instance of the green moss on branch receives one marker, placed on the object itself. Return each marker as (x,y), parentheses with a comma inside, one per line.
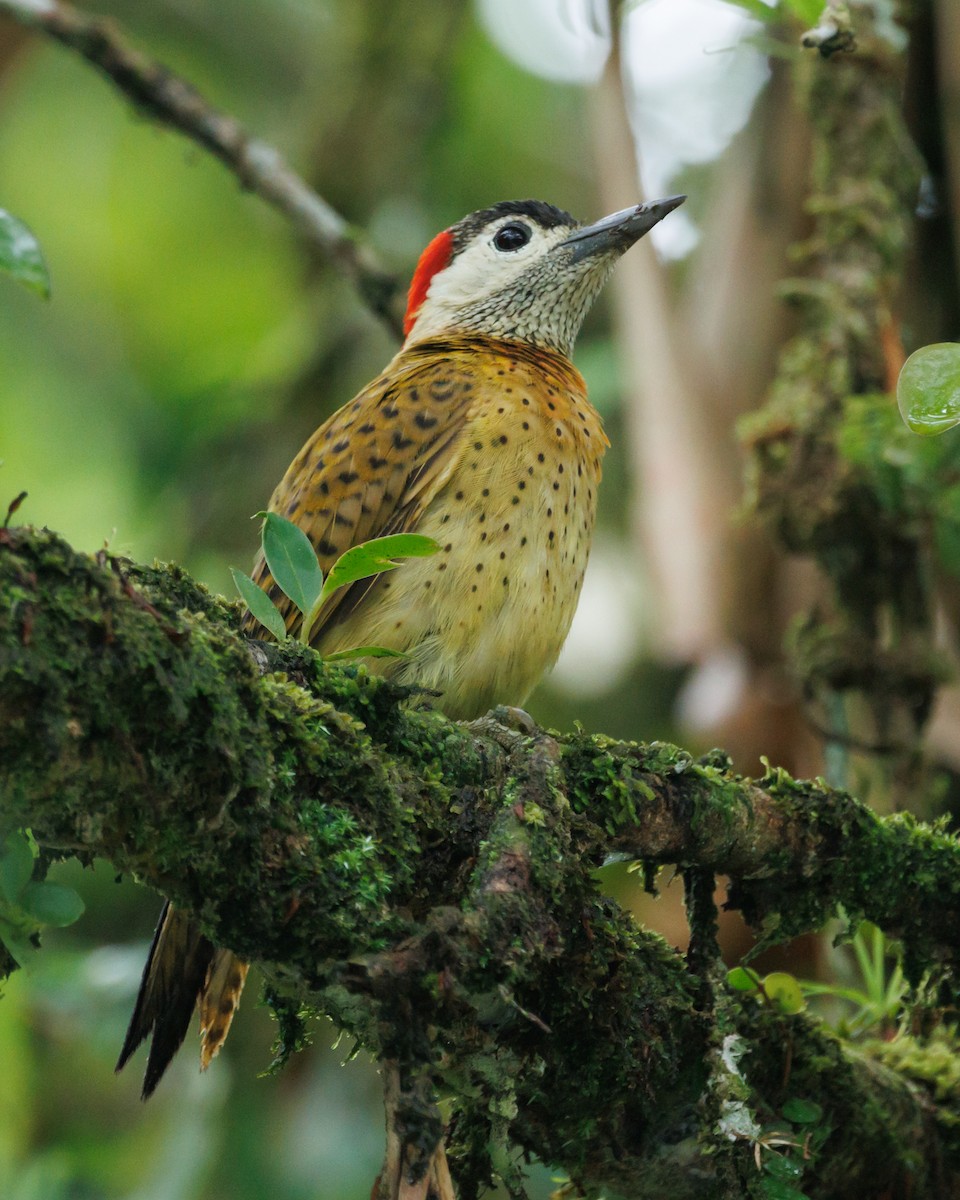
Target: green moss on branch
(432,885)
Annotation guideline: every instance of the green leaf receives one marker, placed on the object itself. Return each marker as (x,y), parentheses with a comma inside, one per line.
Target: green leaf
(928,389)
(802,1112)
(51,903)
(779,1189)
(363,652)
(16,865)
(376,556)
(17,942)
(854,995)
(783,1167)
(807,10)
(756,8)
(21,256)
(369,558)
(743,979)
(292,560)
(260,604)
(784,992)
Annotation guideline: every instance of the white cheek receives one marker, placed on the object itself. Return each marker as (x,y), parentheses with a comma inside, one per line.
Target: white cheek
(477,272)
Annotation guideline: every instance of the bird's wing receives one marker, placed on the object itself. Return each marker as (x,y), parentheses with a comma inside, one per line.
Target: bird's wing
(375,465)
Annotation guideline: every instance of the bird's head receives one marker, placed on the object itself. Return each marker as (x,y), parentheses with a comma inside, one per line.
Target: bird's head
(521,270)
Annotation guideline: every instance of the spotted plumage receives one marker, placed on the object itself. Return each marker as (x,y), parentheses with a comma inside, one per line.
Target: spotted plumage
(478,434)
(492,449)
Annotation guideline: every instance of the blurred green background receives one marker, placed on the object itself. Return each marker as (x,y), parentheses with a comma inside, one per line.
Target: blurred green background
(190,346)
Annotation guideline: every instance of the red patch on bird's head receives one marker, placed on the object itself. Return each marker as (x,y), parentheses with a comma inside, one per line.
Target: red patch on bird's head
(436,256)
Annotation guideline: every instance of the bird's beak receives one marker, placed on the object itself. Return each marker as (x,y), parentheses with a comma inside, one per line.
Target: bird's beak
(620,230)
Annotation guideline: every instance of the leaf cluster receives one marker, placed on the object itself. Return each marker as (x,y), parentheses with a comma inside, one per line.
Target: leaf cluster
(293,563)
(27,904)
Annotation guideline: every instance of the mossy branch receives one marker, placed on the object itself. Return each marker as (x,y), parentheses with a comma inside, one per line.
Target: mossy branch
(431,885)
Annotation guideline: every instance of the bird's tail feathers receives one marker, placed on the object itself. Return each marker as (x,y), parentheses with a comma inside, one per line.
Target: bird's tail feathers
(174,976)
(219,1000)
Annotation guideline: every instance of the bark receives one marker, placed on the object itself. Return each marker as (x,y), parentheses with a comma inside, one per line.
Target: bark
(432,887)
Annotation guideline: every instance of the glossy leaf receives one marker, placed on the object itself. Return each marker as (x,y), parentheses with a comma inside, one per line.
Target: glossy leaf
(260,604)
(16,865)
(51,903)
(743,979)
(928,389)
(21,256)
(784,992)
(376,556)
(363,652)
(292,560)
(362,561)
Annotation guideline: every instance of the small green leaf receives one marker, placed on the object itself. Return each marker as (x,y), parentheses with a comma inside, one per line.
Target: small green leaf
(928,389)
(783,991)
(376,556)
(362,561)
(802,1112)
(16,865)
(783,1167)
(16,942)
(292,560)
(780,1189)
(260,604)
(743,979)
(807,10)
(51,903)
(363,652)
(21,256)
(756,8)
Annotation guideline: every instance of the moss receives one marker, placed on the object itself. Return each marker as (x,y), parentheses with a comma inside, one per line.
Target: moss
(867,1113)
(934,1064)
(431,886)
(831,473)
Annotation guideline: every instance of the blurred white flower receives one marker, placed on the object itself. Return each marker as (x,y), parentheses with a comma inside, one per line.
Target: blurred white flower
(565,40)
(691,77)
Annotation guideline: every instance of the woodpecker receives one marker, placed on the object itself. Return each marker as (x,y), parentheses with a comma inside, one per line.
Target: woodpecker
(478,434)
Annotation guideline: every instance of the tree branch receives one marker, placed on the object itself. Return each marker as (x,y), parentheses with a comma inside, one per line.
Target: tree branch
(158,93)
(431,886)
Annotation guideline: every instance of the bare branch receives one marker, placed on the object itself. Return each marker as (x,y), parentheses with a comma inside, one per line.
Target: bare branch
(158,93)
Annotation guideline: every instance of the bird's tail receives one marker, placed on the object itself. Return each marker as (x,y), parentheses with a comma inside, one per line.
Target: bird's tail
(183,970)
(219,1000)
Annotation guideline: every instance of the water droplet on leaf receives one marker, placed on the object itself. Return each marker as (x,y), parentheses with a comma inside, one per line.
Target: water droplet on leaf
(928,389)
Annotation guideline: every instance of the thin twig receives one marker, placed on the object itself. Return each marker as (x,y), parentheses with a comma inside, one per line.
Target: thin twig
(158,93)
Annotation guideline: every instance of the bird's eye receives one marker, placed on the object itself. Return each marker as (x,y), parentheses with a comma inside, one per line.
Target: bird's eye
(512,237)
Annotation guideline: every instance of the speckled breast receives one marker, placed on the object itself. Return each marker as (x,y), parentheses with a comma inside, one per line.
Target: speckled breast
(483,619)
